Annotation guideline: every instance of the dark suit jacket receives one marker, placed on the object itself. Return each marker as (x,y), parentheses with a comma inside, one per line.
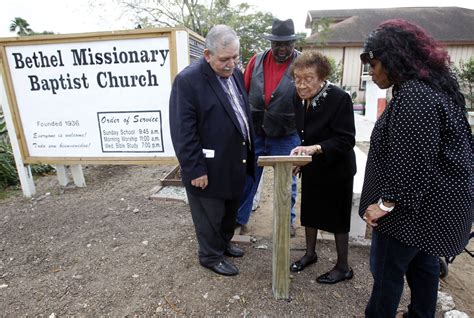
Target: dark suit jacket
(201,117)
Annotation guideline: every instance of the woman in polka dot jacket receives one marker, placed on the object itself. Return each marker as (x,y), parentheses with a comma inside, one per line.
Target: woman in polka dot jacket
(418,185)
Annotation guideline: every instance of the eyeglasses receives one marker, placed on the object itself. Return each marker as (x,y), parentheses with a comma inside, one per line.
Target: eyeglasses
(302,81)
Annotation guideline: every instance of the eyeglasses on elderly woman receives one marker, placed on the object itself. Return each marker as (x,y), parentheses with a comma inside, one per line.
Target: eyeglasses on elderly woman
(366,57)
(303,81)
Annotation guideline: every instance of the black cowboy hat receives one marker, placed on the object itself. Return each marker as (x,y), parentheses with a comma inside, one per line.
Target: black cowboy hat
(282,31)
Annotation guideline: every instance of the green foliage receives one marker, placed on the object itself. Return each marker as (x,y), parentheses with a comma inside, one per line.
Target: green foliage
(323,30)
(7,164)
(336,71)
(21,25)
(41,170)
(251,28)
(465,74)
(201,15)
(3,127)
(23,28)
(301,41)
(41,33)
(8,174)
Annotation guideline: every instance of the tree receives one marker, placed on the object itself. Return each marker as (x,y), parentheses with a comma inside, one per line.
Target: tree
(336,71)
(251,28)
(41,33)
(465,74)
(323,30)
(22,26)
(200,15)
(172,13)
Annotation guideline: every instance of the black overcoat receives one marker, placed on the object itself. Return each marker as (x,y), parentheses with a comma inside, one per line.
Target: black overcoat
(327,181)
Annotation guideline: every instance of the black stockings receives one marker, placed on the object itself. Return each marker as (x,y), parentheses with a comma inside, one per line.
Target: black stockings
(342,247)
(310,235)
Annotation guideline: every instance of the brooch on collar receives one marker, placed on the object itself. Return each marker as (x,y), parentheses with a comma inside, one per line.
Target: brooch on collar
(320,95)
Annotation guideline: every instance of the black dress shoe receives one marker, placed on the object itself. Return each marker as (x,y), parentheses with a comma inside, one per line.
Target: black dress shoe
(234,251)
(300,265)
(225,268)
(335,276)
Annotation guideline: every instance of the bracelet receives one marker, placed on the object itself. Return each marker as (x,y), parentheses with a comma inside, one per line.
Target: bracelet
(318,149)
(383,207)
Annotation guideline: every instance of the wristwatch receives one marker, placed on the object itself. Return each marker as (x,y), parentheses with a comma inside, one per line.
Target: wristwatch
(383,207)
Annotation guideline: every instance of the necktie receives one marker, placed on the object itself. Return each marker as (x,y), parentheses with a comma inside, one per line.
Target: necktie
(236,105)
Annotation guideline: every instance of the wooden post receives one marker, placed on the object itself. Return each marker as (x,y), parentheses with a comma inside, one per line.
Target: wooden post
(281,219)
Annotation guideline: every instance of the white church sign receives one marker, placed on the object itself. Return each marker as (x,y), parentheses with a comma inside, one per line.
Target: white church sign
(94,98)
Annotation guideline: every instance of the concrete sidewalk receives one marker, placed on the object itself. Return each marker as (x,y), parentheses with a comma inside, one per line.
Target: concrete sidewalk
(363,128)
(358,226)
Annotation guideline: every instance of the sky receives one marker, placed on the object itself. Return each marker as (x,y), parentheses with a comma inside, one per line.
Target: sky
(78,16)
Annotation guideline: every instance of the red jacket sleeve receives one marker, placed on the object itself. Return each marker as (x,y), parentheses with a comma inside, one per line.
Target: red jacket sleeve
(248,73)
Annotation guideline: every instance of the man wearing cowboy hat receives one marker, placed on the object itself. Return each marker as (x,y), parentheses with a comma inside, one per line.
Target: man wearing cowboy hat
(271,97)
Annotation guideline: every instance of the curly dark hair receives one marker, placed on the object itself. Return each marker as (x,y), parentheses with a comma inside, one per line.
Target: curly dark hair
(407,51)
(315,59)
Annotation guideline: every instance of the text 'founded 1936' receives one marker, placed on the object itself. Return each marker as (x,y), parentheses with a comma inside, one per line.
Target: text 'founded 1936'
(131,131)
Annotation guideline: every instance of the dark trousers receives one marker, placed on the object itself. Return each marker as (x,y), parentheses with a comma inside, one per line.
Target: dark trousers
(214,221)
(390,261)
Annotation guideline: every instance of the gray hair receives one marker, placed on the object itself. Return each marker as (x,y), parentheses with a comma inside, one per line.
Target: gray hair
(220,35)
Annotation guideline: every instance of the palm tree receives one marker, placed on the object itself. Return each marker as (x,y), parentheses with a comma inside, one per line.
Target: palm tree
(22,25)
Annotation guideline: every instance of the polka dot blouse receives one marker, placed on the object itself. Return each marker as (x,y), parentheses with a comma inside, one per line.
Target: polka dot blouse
(421,157)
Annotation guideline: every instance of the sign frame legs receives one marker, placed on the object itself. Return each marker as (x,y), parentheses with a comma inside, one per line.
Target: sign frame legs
(77,175)
(24,171)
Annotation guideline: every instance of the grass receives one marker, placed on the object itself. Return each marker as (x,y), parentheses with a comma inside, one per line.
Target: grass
(7,192)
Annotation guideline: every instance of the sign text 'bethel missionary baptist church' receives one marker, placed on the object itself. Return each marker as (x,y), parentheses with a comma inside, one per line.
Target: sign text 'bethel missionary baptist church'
(96,98)
(86,57)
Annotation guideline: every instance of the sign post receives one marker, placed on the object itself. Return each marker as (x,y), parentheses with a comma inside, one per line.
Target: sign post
(281,219)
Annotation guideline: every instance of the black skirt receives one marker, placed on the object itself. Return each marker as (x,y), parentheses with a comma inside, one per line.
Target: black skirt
(327,206)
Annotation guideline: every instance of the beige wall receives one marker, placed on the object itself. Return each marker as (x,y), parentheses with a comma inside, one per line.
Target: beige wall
(352,71)
(460,52)
(334,52)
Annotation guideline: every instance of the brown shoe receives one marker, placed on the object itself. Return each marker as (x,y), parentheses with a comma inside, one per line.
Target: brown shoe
(292,231)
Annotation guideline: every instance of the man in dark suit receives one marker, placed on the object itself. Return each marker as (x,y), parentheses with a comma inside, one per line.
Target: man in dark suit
(212,138)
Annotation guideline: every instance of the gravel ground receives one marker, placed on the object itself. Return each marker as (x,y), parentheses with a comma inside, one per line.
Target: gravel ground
(109,250)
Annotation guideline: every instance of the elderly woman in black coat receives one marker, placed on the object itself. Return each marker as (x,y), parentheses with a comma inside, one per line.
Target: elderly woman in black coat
(325,122)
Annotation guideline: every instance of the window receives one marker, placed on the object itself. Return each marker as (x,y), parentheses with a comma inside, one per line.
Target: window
(364,71)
